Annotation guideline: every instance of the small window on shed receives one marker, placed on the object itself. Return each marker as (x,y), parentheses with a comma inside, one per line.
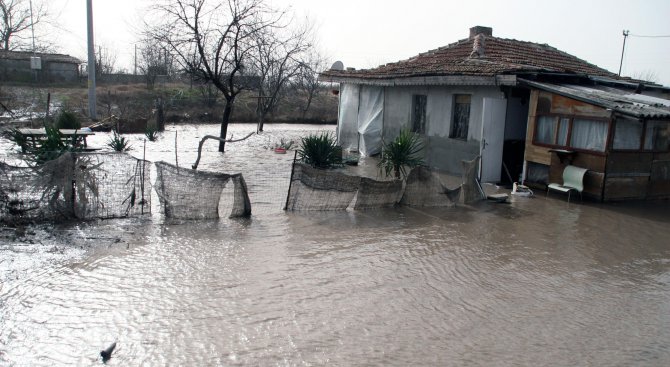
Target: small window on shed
(461,117)
(657,136)
(627,134)
(419,113)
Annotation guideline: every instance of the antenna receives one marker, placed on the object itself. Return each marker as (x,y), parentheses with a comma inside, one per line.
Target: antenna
(625,35)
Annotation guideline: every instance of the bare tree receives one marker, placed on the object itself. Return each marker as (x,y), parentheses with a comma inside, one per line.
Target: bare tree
(16,21)
(307,81)
(105,60)
(154,61)
(212,40)
(276,60)
(646,75)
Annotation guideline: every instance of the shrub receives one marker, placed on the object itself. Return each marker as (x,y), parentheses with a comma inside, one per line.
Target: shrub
(152,134)
(67,120)
(17,137)
(403,151)
(52,147)
(320,151)
(119,143)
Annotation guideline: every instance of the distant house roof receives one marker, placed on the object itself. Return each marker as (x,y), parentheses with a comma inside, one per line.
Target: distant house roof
(22,55)
(480,55)
(618,100)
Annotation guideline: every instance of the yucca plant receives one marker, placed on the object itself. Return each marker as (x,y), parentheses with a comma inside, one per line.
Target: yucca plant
(320,151)
(52,147)
(119,143)
(17,137)
(152,134)
(406,150)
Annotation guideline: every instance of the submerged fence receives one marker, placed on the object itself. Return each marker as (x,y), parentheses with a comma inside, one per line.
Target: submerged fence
(315,189)
(76,185)
(112,185)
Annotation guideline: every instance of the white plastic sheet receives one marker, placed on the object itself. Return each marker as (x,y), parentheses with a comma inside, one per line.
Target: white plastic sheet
(347,126)
(370,120)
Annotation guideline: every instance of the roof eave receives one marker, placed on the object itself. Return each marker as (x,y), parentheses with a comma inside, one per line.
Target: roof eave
(495,80)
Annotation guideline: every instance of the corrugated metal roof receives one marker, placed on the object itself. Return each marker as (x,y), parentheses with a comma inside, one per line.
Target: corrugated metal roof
(488,56)
(21,55)
(618,100)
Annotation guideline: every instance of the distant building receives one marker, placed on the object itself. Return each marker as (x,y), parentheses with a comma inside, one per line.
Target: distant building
(514,103)
(27,67)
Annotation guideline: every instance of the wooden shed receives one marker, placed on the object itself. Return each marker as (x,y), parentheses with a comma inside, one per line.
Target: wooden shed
(621,136)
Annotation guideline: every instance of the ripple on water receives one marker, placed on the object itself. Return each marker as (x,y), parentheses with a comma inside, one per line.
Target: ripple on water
(536,282)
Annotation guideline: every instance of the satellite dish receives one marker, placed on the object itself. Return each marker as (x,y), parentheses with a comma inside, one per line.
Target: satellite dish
(338,65)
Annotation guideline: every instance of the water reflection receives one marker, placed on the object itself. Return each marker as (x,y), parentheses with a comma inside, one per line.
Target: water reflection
(535,282)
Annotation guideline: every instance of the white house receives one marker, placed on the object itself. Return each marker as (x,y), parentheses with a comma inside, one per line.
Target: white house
(467,99)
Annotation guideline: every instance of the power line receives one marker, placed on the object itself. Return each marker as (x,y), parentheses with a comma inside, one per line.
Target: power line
(638,35)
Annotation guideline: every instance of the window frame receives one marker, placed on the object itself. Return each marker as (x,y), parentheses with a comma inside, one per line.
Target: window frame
(641,142)
(452,129)
(422,124)
(644,137)
(570,119)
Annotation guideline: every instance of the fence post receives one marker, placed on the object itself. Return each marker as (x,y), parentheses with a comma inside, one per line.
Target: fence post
(290,182)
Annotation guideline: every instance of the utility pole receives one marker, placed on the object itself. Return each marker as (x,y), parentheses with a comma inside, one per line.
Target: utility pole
(135,72)
(32,24)
(91,61)
(623,49)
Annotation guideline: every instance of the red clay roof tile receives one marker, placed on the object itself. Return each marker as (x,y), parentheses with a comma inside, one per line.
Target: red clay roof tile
(499,56)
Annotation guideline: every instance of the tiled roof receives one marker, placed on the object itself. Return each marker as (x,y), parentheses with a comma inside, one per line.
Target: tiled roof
(480,56)
(22,55)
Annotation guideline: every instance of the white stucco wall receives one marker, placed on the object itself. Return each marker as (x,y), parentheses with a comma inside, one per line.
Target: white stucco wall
(442,152)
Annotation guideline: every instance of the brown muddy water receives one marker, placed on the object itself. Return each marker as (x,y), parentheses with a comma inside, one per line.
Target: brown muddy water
(533,282)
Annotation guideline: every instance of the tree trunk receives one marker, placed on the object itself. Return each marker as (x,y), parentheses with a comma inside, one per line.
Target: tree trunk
(227,111)
(261,120)
(309,103)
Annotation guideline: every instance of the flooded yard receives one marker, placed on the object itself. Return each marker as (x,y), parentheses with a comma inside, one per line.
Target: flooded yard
(537,281)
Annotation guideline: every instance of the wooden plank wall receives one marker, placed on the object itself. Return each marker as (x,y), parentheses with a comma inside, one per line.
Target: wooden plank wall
(544,102)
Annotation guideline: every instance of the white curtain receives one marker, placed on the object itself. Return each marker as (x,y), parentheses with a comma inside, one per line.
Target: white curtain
(627,134)
(370,119)
(589,134)
(546,125)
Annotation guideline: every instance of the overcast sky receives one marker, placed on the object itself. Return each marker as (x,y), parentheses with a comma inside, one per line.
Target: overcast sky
(367,33)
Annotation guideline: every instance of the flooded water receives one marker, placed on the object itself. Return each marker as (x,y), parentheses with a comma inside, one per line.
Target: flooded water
(533,282)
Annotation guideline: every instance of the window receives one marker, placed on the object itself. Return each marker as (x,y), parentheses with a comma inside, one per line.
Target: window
(461,117)
(419,113)
(657,136)
(575,132)
(627,134)
(589,134)
(545,130)
(552,130)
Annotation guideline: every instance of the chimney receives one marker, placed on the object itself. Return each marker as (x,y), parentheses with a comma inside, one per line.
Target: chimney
(474,31)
